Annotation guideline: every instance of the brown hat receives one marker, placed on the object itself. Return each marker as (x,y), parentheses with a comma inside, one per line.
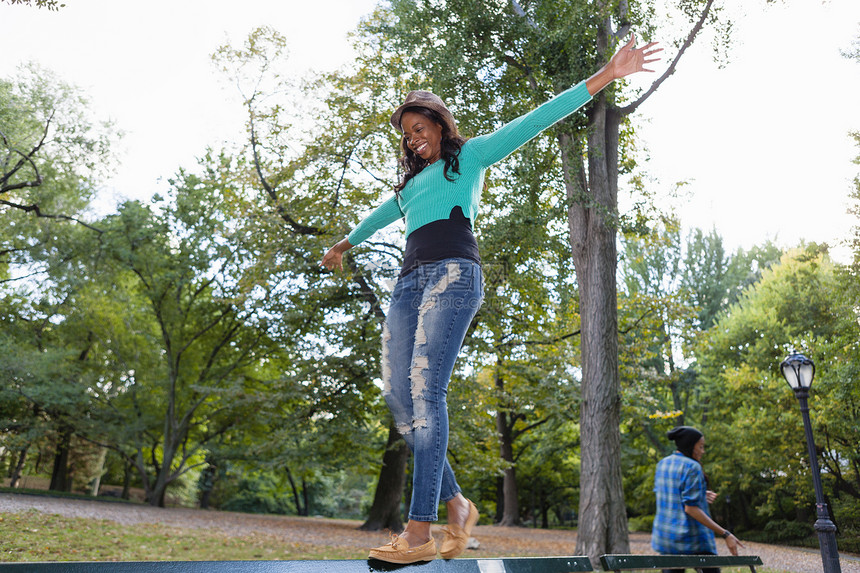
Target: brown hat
(420,98)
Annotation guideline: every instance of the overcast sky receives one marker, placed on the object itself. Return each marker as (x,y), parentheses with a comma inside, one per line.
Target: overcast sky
(763,143)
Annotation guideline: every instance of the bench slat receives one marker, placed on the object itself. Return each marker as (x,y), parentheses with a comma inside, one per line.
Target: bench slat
(509,565)
(633,562)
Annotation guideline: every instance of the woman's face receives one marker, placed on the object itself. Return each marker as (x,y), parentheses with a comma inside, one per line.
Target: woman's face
(699,449)
(423,135)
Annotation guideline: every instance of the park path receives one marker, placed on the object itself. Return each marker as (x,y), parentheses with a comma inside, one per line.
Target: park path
(494,541)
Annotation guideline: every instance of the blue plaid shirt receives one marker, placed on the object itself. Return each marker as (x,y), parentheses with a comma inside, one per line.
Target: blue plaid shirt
(680,481)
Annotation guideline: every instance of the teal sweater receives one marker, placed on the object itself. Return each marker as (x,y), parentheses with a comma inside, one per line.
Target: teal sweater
(430,197)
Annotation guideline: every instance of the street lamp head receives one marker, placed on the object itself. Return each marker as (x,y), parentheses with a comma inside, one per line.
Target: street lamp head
(798,371)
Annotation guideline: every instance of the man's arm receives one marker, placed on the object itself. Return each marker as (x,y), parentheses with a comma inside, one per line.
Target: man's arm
(696,513)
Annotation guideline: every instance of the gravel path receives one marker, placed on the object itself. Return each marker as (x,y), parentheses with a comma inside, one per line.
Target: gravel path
(494,541)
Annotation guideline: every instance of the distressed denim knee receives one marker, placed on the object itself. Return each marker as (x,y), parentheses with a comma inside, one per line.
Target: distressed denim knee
(431,310)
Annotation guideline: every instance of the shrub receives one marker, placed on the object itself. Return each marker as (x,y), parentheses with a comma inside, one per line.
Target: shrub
(783,530)
(642,523)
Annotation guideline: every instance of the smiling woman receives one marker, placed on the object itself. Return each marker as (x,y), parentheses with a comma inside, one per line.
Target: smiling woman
(429,133)
(422,135)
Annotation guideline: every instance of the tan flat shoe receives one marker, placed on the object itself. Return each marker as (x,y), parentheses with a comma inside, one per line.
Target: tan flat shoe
(398,551)
(456,537)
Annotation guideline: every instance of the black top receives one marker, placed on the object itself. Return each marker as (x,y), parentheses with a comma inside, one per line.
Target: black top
(443,239)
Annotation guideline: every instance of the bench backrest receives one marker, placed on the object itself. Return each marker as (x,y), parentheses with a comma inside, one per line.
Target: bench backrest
(637,562)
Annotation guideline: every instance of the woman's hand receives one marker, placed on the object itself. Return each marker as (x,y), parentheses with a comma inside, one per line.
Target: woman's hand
(711,496)
(630,59)
(334,257)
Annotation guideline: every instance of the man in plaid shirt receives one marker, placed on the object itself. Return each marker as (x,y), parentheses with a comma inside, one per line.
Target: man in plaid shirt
(683,524)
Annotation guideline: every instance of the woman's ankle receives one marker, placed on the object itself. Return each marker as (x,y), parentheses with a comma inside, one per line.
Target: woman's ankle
(417,531)
(458,509)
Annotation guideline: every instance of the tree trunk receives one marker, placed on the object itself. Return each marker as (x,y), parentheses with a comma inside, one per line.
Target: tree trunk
(544,510)
(504,429)
(208,477)
(156,496)
(592,218)
(126,480)
(155,492)
(100,469)
(385,511)
(296,499)
(60,478)
(500,499)
(19,467)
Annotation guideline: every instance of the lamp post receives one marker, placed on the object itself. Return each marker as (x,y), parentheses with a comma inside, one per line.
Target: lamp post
(799,371)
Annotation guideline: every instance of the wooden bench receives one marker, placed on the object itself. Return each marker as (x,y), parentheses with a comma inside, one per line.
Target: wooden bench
(506,565)
(639,562)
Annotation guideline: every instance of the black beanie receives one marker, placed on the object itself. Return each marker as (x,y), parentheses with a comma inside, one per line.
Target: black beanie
(685,437)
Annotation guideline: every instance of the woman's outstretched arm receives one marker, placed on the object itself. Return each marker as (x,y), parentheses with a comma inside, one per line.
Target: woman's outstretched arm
(494,147)
(628,60)
(333,259)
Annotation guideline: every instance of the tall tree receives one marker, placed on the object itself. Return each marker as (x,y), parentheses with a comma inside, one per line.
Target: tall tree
(51,156)
(202,330)
(305,187)
(528,324)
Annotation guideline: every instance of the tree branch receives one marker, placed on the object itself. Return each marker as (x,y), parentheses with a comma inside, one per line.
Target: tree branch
(366,292)
(340,181)
(513,343)
(624,24)
(526,70)
(522,13)
(270,191)
(23,277)
(630,108)
(517,434)
(25,158)
(638,320)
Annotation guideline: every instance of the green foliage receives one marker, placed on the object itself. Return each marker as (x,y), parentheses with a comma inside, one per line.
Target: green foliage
(782,530)
(258,494)
(53,153)
(723,379)
(761,456)
(642,524)
(53,150)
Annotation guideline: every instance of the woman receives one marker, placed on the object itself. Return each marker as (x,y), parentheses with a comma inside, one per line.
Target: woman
(683,524)
(441,287)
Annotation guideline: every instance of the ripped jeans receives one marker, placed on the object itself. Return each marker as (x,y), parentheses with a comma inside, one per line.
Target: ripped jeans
(431,309)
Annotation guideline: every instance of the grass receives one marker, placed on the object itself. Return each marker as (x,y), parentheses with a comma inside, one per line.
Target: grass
(64,495)
(36,536)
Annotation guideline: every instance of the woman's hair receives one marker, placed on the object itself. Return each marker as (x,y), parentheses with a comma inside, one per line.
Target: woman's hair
(412,163)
